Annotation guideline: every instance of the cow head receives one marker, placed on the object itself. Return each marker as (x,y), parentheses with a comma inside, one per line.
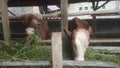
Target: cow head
(35,22)
(79,35)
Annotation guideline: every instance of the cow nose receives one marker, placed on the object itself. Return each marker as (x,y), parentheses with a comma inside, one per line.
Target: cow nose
(30,31)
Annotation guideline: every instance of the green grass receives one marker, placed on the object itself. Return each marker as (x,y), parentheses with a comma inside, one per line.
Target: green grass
(29,49)
(32,49)
(95,55)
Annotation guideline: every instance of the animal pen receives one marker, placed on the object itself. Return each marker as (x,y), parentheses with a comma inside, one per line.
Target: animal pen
(58,38)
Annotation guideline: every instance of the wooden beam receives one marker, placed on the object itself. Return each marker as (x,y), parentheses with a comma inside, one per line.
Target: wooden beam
(65,63)
(104,40)
(64,17)
(107,49)
(5,20)
(91,40)
(57,50)
(89,63)
(64,14)
(25,63)
(64,20)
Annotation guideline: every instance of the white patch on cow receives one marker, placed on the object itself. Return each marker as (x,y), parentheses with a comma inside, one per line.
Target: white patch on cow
(80,43)
(30,31)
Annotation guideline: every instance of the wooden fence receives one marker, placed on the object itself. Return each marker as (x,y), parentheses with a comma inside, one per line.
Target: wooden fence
(57,61)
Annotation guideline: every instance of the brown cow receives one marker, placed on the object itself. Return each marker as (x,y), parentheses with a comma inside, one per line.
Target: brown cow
(34,21)
(79,35)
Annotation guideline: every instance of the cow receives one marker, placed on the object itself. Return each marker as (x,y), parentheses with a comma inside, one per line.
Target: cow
(34,24)
(79,33)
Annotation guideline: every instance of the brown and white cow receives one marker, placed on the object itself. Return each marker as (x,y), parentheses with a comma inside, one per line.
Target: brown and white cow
(79,33)
(33,22)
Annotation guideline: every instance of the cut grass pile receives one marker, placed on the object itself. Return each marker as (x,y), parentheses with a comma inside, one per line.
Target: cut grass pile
(29,49)
(32,49)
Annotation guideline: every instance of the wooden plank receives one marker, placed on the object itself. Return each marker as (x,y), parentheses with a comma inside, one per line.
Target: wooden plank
(57,50)
(89,63)
(64,14)
(104,40)
(25,63)
(5,20)
(109,49)
(65,63)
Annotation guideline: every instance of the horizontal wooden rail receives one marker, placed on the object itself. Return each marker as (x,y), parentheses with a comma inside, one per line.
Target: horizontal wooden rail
(57,15)
(97,33)
(108,49)
(106,33)
(91,40)
(104,40)
(89,63)
(65,63)
(105,49)
(25,63)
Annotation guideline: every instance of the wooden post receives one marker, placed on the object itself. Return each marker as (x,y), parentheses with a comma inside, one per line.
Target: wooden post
(64,21)
(57,50)
(5,20)
(64,14)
